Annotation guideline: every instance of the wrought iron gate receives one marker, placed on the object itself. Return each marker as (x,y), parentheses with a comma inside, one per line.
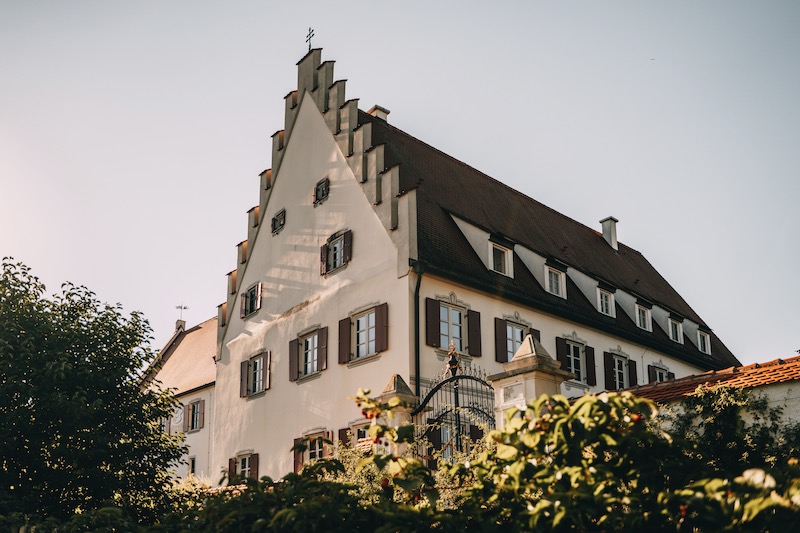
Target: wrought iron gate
(455,411)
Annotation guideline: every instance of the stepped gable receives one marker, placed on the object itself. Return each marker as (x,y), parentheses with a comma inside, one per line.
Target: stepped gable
(745,377)
(447,186)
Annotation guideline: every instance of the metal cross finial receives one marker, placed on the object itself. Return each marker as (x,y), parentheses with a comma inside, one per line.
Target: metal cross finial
(181,307)
(309,36)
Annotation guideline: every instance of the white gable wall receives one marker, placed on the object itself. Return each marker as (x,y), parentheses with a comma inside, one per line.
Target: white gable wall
(296,297)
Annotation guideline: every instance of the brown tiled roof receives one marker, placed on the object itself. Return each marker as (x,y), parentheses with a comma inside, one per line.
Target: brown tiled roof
(188,362)
(747,377)
(446,186)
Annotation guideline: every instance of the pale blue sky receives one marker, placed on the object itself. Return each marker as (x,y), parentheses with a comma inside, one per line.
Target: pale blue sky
(132,133)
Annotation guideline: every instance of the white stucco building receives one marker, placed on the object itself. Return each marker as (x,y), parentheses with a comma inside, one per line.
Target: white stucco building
(368,252)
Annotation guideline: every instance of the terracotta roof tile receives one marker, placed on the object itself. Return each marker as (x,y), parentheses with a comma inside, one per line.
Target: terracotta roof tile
(750,376)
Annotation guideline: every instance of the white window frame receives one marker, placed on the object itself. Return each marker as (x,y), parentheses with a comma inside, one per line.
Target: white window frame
(676,327)
(704,338)
(620,370)
(609,300)
(194,416)
(446,337)
(252,299)
(316,447)
(258,378)
(365,334)
(505,267)
(660,373)
(642,311)
(335,257)
(243,466)
(576,353)
(513,343)
(308,353)
(555,281)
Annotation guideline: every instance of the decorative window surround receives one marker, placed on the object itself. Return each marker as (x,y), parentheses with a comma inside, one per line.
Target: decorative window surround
(449,319)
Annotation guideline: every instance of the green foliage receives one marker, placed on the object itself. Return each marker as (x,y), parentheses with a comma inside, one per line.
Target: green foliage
(79,437)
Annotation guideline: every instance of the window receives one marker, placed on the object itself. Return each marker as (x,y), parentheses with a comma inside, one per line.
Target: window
(251,300)
(515,334)
(605,302)
(254,374)
(447,322)
(675,330)
(555,282)
(509,336)
(244,465)
(312,447)
(278,221)
(371,328)
(643,318)
(193,416)
(620,371)
(501,259)
(576,357)
(704,342)
(316,448)
(337,252)
(192,466)
(308,354)
(321,191)
(658,372)
(451,327)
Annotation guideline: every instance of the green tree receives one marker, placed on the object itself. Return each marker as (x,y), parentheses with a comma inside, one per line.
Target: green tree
(77,431)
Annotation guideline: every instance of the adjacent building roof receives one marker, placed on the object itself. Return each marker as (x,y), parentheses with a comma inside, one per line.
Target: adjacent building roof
(446,186)
(747,377)
(187,361)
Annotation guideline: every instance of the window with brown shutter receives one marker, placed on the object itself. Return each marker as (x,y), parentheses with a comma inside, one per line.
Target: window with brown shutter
(336,252)
(651,374)
(253,466)
(500,341)
(608,367)
(202,415)
(231,470)
(244,367)
(633,378)
(322,348)
(474,333)
(561,352)
(348,246)
(382,328)
(298,455)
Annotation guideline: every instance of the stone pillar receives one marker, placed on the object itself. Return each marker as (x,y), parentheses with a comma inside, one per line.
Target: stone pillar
(529,374)
(398,388)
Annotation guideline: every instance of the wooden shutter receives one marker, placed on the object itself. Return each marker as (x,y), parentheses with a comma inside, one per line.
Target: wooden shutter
(474,333)
(322,348)
(202,417)
(294,354)
(344,341)
(343,437)
(267,369)
(633,379)
(187,411)
(500,341)
(591,371)
(298,455)
(651,373)
(253,466)
(432,322)
(231,470)
(258,296)
(561,352)
(608,366)
(347,249)
(670,375)
(382,328)
(535,334)
(323,259)
(244,367)
(243,299)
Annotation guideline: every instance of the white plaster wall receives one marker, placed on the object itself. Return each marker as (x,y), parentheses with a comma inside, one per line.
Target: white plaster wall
(433,360)
(296,297)
(200,441)
(477,238)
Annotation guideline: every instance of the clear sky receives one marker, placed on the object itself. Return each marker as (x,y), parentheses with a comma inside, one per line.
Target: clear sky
(132,133)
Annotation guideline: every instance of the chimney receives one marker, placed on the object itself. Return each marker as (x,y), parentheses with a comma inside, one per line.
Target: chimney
(379,112)
(610,231)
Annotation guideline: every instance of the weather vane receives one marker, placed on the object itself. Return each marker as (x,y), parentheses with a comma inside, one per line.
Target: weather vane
(309,36)
(181,307)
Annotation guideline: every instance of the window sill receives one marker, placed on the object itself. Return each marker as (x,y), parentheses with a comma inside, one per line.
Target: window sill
(335,270)
(574,384)
(364,360)
(255,395)
(308,377)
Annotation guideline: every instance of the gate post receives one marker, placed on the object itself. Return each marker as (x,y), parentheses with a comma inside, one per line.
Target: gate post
(398,388)
(528,375)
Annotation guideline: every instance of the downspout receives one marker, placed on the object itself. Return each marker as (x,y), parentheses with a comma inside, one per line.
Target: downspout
(418,271)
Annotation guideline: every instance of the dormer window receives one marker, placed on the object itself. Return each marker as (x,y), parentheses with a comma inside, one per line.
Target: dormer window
(643,318)
(605,302)
(555,282)
(500,259)
(675,330)
(704,342)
